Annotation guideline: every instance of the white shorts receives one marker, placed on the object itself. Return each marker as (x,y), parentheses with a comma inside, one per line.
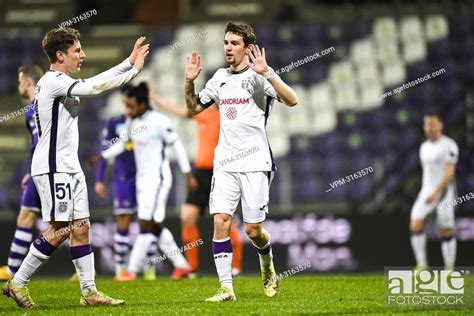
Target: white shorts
(252,188)
(444,210)
(63,196)
(152,195)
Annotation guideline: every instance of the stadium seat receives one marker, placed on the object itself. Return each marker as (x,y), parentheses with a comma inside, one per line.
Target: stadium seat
(436,27)
(411,29)
(385,30)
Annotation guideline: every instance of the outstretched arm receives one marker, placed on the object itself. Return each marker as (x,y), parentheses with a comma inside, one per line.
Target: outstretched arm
(259,64)
(91,86)
(167,105)
(191,72)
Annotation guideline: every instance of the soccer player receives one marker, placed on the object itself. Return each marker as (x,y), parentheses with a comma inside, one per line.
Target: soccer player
(28,76)
(125,201)
(151,135)
(438,156)
(243,162)
(207,124)
(55,166)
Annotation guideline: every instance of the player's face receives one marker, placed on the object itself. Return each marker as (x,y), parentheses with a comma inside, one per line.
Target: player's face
(433,127)
(133,108)
(24,83)
(73,58)
(234,49)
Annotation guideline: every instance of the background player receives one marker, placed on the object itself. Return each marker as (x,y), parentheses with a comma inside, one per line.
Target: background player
(207,125)
(55,166)
(243,162)
(124,193)
(28,76)
(154,179)
(438,156)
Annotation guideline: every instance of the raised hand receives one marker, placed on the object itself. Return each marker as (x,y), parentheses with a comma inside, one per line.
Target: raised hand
(136,48)
(257,60)
(141,55)
(193,67)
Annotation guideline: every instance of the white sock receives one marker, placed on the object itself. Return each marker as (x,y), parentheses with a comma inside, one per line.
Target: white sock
(33,261)
(121,249)
(139,251)
(448,249)
(418,244)
(83,260)
(265,254)
(222,250)
(168,247)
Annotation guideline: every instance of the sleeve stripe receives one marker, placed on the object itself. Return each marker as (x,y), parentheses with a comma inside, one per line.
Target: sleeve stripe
(206,105)
(70,88)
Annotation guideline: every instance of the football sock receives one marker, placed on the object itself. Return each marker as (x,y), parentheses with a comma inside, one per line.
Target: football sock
(152,253)
(265,253)
(83,259)
(418,243)
(19,248)
(448,249)
(237,248)
(139,250)
(121,249)
(189,234)
(222,250)
(39,254)
(169,248)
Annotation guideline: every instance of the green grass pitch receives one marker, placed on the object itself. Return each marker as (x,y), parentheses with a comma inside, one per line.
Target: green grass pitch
(322,294)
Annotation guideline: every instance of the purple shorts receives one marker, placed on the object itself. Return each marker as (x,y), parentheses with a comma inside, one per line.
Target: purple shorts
(30,199)
(125,196)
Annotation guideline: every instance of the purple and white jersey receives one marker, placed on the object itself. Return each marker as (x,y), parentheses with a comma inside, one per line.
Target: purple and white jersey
(124,165)
(245,100)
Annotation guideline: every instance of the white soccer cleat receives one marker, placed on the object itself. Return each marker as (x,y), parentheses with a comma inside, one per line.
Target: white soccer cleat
(270,280)
(224,294)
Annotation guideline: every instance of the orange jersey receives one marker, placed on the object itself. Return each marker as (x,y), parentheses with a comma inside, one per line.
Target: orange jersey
(207,123)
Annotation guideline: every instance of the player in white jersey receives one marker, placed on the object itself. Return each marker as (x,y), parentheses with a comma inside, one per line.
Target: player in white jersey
(243,162)
(151,134)
(438,156)
(55,168)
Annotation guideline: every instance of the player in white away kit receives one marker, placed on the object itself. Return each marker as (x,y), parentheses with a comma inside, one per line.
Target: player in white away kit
(438,155)
(243,162)
(55,167)
(152,135)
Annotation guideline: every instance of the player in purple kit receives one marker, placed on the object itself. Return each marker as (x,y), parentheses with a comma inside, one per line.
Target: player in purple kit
(124,192)
(28,76)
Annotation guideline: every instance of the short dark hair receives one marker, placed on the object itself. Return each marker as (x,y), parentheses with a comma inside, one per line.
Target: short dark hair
(61,39)
(31,71)
(433,114)
(140,93)
(244,30)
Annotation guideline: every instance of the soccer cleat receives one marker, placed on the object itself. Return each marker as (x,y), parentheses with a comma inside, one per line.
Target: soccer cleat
(21,295)
(224,294)
(181,273)
(270,280)
(4,275)
(149,274)
(126,276)
(99,298)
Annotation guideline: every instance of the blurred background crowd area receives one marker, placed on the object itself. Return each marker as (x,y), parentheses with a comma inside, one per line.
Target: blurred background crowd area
(342,123)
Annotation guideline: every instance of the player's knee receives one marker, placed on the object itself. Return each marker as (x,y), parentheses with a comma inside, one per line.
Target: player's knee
(123,221)
(222,221)
(80,233)
(253,231)
(26,219)
(445,233)
(416,226)
(189,214)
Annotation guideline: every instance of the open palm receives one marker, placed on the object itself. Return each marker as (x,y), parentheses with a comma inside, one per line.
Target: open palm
(193,67)
(257,60)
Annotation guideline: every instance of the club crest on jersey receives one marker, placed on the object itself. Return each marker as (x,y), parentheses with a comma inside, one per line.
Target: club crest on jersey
(246,83)
(62,207)
(231,113)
